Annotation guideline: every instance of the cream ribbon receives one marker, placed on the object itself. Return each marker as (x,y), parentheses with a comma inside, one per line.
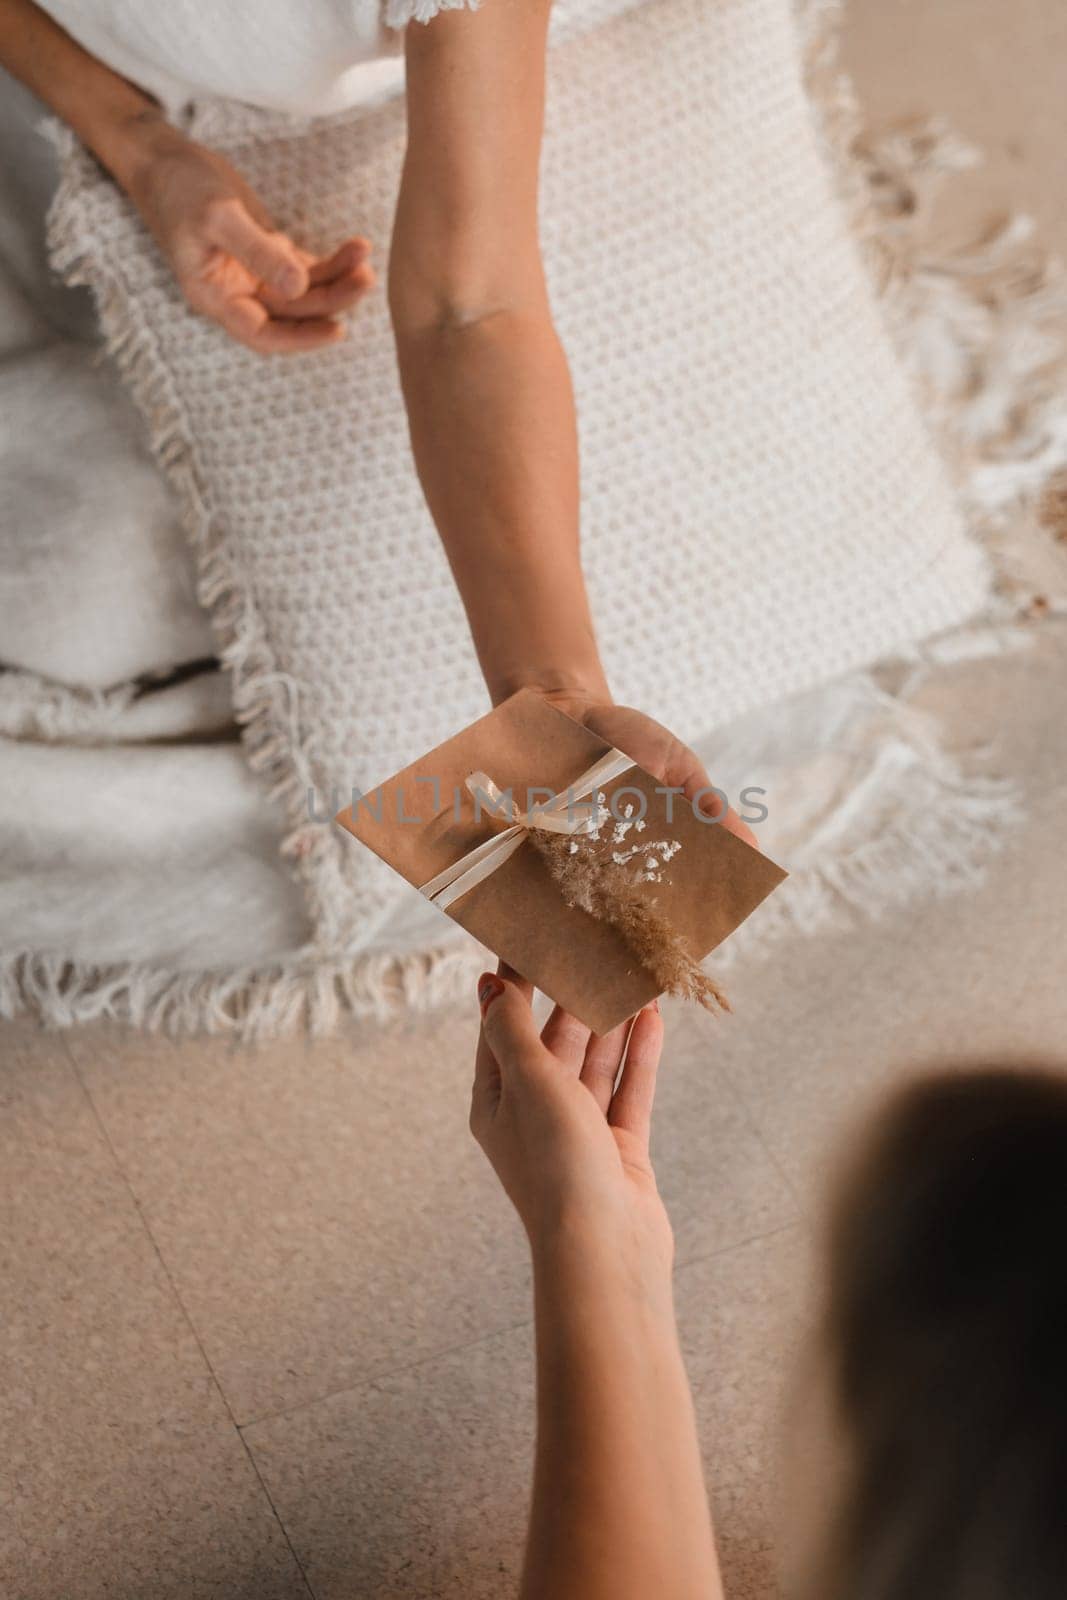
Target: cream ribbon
(560,814)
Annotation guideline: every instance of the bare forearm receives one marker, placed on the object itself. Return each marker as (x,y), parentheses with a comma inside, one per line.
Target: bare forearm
(107,113)
(486,383)
(494,436)
(619,1506)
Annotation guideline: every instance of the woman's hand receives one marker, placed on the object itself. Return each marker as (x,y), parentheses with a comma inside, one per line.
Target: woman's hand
(231,263)
(569,1147)
(654,748)
(619,1506)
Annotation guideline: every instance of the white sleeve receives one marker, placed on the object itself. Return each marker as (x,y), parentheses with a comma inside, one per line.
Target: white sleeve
(398,13)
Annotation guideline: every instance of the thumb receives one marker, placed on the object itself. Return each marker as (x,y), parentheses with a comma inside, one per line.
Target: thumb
(273,258)
(508,1025)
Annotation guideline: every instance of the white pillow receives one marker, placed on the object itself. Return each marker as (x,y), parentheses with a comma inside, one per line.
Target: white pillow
(762,507)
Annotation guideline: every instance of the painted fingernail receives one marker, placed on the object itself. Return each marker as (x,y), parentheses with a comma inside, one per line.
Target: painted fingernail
(489,986)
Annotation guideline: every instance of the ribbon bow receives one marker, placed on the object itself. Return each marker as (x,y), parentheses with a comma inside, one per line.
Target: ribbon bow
(559,814)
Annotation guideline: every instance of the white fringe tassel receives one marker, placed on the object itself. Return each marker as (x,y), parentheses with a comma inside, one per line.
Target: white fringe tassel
(268,1003)
(942,827)
(34,708)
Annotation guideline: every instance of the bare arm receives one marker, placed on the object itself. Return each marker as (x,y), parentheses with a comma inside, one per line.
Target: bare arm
(107,113)
(619,1507)
(486,382)
(485,379)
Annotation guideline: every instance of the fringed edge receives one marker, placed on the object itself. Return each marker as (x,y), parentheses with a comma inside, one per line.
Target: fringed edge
(320,984)
(937,846)
(981,330)
(249,1003)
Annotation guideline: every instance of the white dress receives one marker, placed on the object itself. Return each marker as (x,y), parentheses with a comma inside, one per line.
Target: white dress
(309,58)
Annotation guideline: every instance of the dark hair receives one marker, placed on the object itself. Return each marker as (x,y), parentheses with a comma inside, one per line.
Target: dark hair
(946,1332)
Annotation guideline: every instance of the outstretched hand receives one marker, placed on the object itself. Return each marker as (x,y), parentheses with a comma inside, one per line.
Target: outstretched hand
(231,263)
(567,1135)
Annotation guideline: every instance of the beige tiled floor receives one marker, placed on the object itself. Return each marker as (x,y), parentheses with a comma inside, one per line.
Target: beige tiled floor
(267,1323)
(326,1217)
(265,1318)
(122,1470)
(431,1462)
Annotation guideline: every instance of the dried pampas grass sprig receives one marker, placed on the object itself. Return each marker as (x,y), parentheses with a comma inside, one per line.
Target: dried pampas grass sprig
(598,885)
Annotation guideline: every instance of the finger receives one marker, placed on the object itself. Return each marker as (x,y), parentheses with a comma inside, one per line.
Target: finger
(349,255)
(484,1061)
(688,773)
(485,1091)
(508,1026)
(336,285)
(485,1094)
(566,1038)
(631,1106)
(603,1058)
(268,255)
(327,300)
(733,824)
(485,1066)
(524,986)
(673,763)
(248,320)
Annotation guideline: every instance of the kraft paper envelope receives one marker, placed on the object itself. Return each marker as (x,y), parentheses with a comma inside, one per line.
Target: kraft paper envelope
(424,820)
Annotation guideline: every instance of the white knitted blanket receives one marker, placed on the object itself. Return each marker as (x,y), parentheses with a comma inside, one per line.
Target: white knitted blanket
(762,507)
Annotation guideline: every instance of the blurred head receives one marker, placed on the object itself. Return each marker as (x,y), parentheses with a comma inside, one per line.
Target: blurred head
(944,1349)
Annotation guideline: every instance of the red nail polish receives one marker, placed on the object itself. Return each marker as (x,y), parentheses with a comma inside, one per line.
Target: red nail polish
(489,986)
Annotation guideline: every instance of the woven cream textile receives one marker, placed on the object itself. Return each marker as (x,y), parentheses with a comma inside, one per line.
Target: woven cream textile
(762,509)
